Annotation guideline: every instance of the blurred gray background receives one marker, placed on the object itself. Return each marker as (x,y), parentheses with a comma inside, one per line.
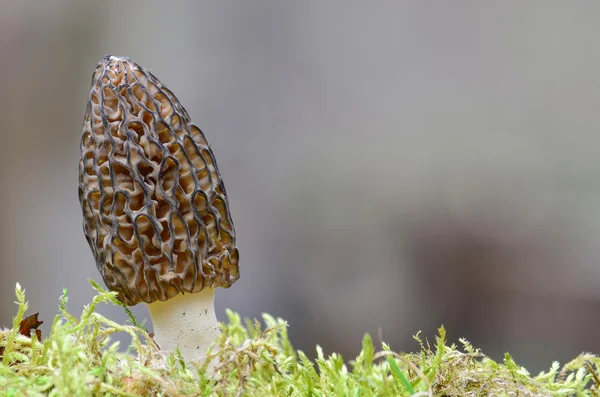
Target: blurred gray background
(391,166)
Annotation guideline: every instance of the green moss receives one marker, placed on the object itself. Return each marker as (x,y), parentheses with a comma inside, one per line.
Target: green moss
(78,358)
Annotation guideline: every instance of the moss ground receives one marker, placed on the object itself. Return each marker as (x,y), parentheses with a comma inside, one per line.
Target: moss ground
(78,358)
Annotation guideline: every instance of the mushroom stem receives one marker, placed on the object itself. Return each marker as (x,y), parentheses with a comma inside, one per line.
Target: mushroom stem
(187,321)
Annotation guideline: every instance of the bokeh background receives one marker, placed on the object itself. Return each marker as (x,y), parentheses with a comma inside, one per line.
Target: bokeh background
(391,166)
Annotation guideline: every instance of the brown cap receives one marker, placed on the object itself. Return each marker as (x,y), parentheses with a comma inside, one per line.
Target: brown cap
(155,209)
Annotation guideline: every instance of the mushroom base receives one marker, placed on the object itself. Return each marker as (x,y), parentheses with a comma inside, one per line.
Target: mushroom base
(187,321)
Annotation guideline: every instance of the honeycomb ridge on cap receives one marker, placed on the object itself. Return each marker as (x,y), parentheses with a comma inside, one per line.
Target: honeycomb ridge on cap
(155,209)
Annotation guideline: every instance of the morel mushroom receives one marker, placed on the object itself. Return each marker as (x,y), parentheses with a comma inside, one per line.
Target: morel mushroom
(155,210)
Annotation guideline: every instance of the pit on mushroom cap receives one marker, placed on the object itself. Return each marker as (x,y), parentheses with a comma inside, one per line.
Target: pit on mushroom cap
(156,213)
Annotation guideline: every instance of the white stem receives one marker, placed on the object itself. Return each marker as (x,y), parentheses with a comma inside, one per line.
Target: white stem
(188,321)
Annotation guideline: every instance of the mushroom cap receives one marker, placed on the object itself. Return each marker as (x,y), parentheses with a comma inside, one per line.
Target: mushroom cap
(155,210)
